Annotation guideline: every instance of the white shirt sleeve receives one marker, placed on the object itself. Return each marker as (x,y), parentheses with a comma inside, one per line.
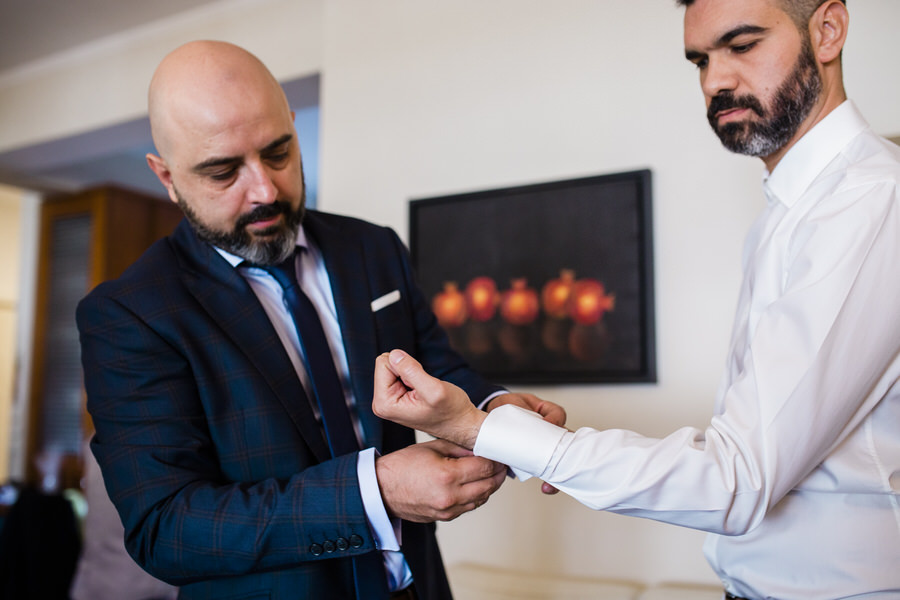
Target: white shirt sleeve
(385,531)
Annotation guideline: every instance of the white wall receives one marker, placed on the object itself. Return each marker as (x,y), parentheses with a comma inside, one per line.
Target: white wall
(426,98)
(423,98)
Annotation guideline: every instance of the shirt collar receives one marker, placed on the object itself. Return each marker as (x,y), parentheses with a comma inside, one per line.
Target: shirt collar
(813,152)
(235,260)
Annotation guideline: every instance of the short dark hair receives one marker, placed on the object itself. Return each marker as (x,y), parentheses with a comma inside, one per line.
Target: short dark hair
(800,11)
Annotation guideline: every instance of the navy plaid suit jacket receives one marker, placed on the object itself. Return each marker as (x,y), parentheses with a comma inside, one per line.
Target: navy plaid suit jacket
(207,442)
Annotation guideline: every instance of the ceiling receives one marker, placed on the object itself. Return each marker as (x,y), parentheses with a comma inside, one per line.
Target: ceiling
(32,30)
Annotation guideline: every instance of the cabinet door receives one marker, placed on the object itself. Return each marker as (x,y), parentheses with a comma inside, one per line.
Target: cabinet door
(85,239)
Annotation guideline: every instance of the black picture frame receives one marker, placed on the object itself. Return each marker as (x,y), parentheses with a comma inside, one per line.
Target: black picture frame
(583,247)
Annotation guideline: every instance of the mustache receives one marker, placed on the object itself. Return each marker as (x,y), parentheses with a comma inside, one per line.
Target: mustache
(728,101)
(263,212)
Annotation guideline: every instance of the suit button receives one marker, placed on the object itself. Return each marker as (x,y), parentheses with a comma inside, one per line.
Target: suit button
(329,546)
(356,541)
(316,550)
(342,544)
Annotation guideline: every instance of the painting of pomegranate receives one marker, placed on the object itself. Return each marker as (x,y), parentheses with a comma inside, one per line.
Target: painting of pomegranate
(543,283)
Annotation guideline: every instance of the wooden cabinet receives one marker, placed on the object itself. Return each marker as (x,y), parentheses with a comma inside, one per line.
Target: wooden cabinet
(84,239)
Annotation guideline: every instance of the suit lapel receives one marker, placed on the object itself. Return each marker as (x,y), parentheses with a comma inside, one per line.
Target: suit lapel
(344,258)
(229,300)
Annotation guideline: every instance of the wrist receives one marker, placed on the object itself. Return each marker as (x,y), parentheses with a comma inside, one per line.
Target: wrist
(468,428)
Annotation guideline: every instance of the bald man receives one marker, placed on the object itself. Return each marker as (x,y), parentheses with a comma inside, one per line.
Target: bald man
(239,467)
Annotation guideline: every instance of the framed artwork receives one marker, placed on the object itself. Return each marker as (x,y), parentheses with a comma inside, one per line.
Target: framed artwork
(548,283)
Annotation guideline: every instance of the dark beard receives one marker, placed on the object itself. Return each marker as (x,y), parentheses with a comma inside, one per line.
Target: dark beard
(281,238)
(792,104)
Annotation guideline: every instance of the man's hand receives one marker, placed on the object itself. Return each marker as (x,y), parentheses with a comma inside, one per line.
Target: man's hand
(435,481)
(406,394)
(554,413)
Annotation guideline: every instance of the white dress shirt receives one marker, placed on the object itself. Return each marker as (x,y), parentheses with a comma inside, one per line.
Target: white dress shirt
(797,476)
(313,280)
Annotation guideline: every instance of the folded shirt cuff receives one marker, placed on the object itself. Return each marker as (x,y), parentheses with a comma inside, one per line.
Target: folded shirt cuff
(518,438)
(385,529)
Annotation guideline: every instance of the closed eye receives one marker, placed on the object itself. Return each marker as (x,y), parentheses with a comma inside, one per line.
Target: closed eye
(699,59)
(223,175)
(277,158)
(743,48)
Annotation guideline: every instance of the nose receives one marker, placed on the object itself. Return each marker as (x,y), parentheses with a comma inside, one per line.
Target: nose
(261,188)
(718,76)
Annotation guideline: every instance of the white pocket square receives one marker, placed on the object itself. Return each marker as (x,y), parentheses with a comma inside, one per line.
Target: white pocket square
(386,300)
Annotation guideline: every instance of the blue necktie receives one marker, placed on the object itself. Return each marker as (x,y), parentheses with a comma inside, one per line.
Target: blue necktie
(368,569)
(326,385)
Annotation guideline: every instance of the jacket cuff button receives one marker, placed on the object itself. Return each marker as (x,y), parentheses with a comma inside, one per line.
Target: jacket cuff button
(329,546)
(342,544)
(356,541)
(316,550)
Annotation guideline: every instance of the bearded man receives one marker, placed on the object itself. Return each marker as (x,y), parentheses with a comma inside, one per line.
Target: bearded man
(797,476)
(229,370)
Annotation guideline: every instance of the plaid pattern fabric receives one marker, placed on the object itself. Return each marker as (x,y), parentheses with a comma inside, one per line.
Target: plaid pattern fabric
(206,439)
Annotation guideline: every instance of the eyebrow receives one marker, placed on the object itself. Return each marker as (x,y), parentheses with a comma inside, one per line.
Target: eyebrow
(726,39)
(230,160)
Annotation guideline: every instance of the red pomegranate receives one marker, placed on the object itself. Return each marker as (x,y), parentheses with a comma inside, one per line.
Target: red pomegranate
(555,294)
(482,298)
(589,301)
(519,305)
(449,306)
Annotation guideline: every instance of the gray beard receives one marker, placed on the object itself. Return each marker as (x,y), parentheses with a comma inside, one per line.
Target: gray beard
(793,102)
(241,243)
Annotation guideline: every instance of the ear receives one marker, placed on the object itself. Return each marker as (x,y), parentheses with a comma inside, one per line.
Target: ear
(828,30)
(159,166)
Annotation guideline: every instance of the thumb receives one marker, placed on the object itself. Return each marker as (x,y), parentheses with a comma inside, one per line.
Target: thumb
(409,370)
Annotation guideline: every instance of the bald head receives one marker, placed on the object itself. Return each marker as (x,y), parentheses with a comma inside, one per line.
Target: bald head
(204,82)
(228,151)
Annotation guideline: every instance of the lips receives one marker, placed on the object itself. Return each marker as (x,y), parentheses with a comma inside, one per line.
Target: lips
(727,108)
(265,216)
(264,223)
(732,114)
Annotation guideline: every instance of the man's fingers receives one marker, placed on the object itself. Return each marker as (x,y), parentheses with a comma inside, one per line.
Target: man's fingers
(388,387)
(481,490)
(553,413)
(385,380)
(410,371)
(448,449)
(472,469)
